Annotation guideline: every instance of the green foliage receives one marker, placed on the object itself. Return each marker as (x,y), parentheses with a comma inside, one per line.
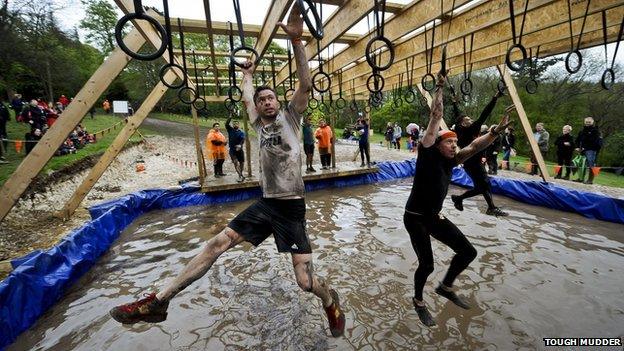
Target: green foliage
(99,23)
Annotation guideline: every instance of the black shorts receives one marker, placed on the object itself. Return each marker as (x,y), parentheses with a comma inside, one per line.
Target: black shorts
(308,149)
(237,155)
(285,219)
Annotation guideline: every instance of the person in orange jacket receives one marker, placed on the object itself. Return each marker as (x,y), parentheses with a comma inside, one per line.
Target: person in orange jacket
(215,149)
(106,106)
(325,138)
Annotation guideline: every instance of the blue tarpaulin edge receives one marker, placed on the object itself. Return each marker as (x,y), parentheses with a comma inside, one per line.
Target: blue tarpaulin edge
(40,278)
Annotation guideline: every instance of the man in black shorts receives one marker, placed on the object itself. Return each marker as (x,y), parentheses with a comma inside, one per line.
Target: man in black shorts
(281,210)
(467,131)
(236,139)
(437,156)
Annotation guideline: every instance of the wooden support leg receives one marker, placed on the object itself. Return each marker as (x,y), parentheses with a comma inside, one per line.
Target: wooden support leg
(524,120)
(115,148)
(247,144)
(73,114)
(332,120)
(198,149)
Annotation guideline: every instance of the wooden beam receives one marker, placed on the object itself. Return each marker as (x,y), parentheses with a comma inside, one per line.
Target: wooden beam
(249,30)
(524,120)
(211,47)
(34,162)
(412,16)
(115,148)
(225,54)
(198,149)
(493,41)
(277,11)
(391,7)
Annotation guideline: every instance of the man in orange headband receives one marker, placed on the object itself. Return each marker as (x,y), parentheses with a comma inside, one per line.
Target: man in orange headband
(437,155)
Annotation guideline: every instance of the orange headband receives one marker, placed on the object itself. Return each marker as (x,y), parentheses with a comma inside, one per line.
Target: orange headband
(445,134)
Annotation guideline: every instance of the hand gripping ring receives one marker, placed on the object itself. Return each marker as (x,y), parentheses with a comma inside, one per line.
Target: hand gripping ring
(315,28)
(243,48)
(428,86)
(466,86)
(608,79)
(314,81)
(340,103)
(376,78)
(181,93)
(163,71)
(141,16)
(568,65)
(230,105)
(235,93)
(369,55)
(514,66)
(531,86)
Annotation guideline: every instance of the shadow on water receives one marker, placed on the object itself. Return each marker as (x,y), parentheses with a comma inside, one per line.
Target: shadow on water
(539,273)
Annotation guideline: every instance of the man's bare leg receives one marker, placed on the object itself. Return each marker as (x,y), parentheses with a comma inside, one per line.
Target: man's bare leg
(201,263)
(308,281)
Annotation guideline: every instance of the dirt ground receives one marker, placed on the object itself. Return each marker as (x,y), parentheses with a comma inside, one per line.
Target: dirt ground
(31,224)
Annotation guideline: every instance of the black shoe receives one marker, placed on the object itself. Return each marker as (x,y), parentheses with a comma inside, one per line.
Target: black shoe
(558,176)
(457,202)
(452,297)
(312,169)
(223,174)
(496,211)
(423,314)
(362,164)
(566,177)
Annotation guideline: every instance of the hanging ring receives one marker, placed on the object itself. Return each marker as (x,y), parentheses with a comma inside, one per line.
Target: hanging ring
(501,87)
(288,94)
(398,102)
(199,103)
(316,28)
(428,84)
(313,103)
(340,103)
(314,81)
(409,95)
(192,93)
(466,86)
(377,83)
(568,61)
(531,86)
(235,93)
(466,97)
(608,79)
(163,71)
(243,48)
(369,54)
(140,15)
(514,65)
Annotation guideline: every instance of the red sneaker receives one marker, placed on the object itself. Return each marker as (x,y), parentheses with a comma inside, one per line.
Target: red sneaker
(335,316)
(148,309)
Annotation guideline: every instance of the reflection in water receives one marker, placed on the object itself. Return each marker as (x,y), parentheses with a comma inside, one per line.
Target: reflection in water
(539,273)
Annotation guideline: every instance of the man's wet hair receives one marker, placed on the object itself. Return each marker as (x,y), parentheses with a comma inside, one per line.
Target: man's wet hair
(215,124)
(262,88)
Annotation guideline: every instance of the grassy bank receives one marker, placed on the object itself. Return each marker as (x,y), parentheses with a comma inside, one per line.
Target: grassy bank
(16,131)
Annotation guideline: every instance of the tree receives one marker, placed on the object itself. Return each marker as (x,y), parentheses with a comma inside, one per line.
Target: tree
(99,23)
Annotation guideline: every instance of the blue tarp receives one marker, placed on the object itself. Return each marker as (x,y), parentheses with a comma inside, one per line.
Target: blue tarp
(40,278)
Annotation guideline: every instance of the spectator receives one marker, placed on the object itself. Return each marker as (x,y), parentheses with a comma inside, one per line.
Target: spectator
(589,143)
(363,130)
(92,111)
(308,144)
(4,118)
(64,101)
(66,148)
(325,137)
(32,138)
(389,135)
(565,149)
(508,141)
(106,106)
(34,115)
(491,153)
(17,105)
(236,139)
(541,137)
(215,148)
(397,133)
(51,116)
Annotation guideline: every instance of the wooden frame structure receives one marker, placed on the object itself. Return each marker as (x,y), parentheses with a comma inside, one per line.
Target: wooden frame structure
(546,26)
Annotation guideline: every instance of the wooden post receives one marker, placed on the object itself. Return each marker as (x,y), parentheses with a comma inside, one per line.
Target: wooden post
(198,149)
(73,114)
(115,148)
(332,121)
(247,144)
(524,120)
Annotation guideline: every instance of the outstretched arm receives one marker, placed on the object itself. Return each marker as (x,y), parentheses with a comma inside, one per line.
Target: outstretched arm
(294,29)
(248,91)
(437,111)
(486,111)
(483,141)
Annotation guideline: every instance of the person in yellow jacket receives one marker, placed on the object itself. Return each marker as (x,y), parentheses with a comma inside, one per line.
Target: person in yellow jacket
(325,137)
(215,149)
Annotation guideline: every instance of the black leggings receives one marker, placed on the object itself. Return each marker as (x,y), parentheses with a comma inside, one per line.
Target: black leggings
(420,230)
(326,160)
(218,166)
(364,151)
(481,184)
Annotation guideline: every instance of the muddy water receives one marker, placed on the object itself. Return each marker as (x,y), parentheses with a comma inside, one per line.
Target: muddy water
(539,273)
